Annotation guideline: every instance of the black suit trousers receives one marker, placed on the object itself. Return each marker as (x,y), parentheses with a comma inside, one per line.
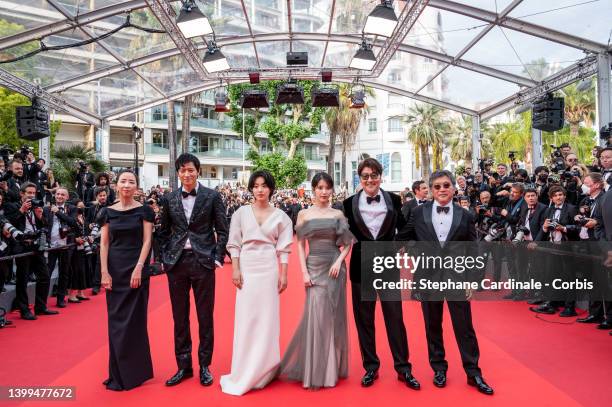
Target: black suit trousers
(461,317)
(35,264)
(186,274)
(363,312)
(62,259)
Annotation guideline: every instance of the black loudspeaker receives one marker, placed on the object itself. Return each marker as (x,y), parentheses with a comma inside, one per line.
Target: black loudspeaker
(33,122)
(297,58)
(548,113)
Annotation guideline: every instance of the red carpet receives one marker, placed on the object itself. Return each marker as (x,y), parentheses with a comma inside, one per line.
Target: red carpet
(528,361)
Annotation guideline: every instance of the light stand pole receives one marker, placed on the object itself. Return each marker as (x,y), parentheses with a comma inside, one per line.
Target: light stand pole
(137,136)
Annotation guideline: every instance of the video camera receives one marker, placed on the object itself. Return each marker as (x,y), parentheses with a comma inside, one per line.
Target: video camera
(557,160)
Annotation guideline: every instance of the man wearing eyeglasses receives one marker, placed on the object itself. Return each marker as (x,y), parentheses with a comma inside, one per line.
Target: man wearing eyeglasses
(375,215)
(442,221)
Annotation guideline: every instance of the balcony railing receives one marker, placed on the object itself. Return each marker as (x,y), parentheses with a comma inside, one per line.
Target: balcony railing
(217,153)
(124,148)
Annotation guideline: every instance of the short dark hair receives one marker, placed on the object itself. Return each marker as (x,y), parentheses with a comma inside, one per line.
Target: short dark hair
(128,172)
(522,172)
(416,185)
(102,175)
(463,198)
(531,189)
(441,174)
(97,190)
(27,185)
(268,179)
(540,169)
(519,186)
(554,189)
(185,159)
(564,145)
(596,177)
(322,176)
(371,163)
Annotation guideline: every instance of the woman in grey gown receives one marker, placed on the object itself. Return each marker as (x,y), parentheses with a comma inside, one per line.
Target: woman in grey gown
(318,353)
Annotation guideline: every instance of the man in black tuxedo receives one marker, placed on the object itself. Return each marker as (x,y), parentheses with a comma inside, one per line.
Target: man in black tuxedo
(563,214)
(85,181)
(13,184)
(420,190)
(30,219)
(603,233)
(442,221)
(60,221)
(375,215)
(194,229)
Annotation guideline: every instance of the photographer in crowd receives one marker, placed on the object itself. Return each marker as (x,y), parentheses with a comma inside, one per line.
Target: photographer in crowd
(102,181)
(27,217)
(60,222)
(85,180)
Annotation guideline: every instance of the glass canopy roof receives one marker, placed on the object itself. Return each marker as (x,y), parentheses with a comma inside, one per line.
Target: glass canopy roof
(465,55)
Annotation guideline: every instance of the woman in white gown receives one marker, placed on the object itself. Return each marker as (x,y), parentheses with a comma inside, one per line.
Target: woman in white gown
(259,236)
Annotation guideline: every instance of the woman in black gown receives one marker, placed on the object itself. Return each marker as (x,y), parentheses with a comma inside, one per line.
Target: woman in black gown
(124,251)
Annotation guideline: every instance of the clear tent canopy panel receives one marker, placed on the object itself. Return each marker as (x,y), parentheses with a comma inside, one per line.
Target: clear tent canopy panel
(100,60)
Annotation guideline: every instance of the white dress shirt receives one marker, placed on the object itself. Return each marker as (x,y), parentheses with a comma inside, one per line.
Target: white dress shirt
(442,221)
(528,237)
(556,235)
(188,204)
(373,213)
(56,240)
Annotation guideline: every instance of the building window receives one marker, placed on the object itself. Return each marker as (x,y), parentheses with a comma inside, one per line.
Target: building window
(394,125)
(160,139)
(160,113)
(160,170)
(396,167)
(372,125)
(394,77)
(337,173)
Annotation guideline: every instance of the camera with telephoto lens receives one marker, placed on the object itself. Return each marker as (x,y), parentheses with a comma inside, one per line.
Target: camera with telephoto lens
(5,152)
(582,220)
(521,232)
(15,233)
(25,150)
(38,239)
(552,224)
(557,160)
(37,203)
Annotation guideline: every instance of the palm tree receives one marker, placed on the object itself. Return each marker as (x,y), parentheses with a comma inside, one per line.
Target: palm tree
(427,129)
(460,142)
(579,107)
(515,136)
(65,162)
(343,123)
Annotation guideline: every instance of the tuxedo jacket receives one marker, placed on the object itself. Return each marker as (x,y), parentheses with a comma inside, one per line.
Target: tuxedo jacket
(68,217)
(420,228)
(585,202)
(535,221)
(603,215)
(394,221)
(18,219)
(207,229)
(566,218)
(407,207)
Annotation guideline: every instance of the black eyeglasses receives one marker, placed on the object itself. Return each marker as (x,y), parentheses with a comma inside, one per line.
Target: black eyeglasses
(445,185)
(373,176)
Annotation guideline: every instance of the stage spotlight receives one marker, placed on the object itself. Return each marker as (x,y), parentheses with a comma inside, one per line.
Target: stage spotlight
(325,97)
(522,108)
(192,22)
(254,98)
(358,99)
(214,60)
(254,77)
(221,102)
(290,93)
(364,58)
(382,20)
(326,76)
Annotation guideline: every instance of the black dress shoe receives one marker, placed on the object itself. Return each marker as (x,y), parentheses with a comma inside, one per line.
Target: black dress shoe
(206,378)
(591,319)
(568,312)
(61,302)
(543,309)
(46,311)
(28,316)
(480,384)
(439,379)
(81,298)
(106,382)
(605,325)
(410,381)
(95,291)
(368,379)
(179,376)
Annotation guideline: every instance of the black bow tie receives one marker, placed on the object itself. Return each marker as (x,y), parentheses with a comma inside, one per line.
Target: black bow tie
(444,209)
(422,201)
(61,208)
(192,193)
(370,199)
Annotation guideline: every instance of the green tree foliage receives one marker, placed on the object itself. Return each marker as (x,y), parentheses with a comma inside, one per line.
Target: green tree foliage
(288,172)
(65,164)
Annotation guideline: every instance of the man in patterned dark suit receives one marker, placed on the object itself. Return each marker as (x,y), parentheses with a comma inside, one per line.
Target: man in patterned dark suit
(194,229)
